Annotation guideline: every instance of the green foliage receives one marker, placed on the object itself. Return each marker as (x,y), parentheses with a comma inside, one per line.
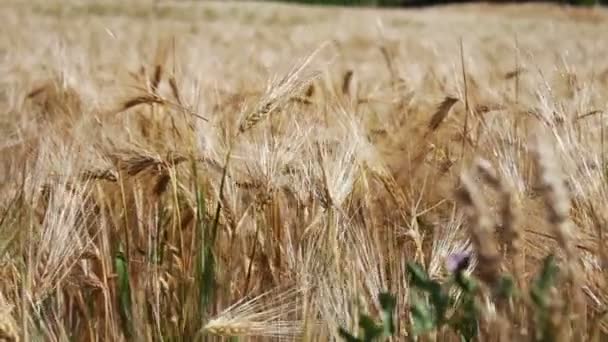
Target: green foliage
(432,301)
(540,294)
(371,330)
(426,315)
(124,292)
(505,288)
(388,303)
(433,306)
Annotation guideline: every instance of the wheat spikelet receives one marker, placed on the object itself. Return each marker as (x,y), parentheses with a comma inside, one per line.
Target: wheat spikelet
(509,216)
(229,216)
(56,99)
(160,58)
(262,200)
(323,190)
(510,233)
(175,90)
(108,175)
(139,163)
(555,195)
(156,78)
(390,65)
(134,162)
(310,91)
(557,204)
(346,82)
(249,184)
(514,73)
(338,171)
(161,184)
(280,91)
(62,238)
(441,113)
(174,158)
(481,230)
(486,108)
(7,332)
(393,189)
(142,99)
(8,326)
(266,315)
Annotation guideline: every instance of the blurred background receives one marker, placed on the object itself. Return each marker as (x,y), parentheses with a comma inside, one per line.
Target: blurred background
(412,3)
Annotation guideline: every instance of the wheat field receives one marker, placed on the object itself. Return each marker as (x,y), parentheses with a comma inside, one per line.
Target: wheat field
(198,171)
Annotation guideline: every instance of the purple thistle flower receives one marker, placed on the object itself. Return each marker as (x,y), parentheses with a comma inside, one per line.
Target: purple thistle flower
(458,262)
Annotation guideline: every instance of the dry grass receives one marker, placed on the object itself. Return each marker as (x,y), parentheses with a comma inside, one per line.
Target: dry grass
(203,171)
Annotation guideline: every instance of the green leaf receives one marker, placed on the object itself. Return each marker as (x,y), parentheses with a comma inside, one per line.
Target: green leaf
(388,304)
(370,329)
(124,292)
(440,299)
(540,292)
(206,271)
(542,285)
(422,318)
(441,302)
(347,336)
(467,324)
(207,280)
(465,283)
(506,287)
(418,276)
